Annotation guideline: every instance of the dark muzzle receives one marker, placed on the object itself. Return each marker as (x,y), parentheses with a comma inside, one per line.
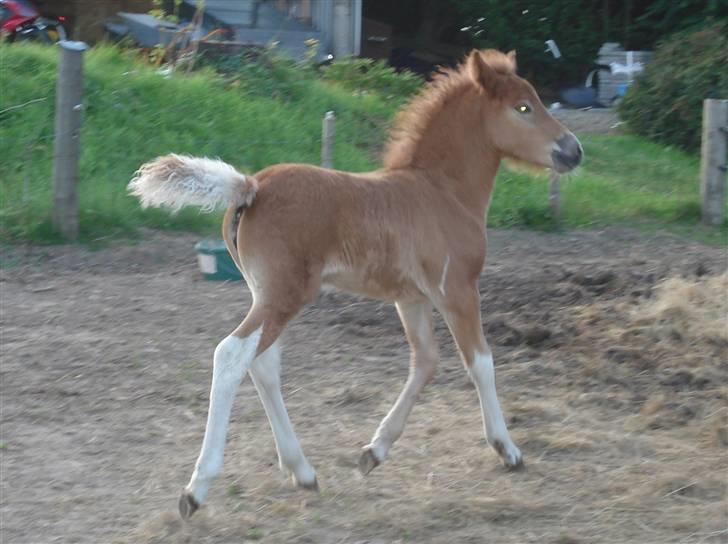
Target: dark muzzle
(568,155)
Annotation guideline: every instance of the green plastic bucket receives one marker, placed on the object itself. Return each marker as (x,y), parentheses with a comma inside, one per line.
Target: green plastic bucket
(215,262)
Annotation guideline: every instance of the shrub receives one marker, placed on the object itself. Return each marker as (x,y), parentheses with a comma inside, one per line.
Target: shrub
(665,102)
(268,72)
(365,75)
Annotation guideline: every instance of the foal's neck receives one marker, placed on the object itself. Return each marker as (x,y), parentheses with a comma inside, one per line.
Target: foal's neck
(455,149)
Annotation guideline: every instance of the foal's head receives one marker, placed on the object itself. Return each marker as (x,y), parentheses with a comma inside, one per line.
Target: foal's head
(516,122)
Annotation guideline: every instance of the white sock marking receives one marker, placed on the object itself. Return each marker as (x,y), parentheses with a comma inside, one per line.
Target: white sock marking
(232,359)
(265,372)
(482,373)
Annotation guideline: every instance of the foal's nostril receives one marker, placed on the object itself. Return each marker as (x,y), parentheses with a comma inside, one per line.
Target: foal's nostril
(568,154)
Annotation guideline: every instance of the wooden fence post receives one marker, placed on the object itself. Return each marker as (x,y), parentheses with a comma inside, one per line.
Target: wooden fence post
(714,160)
(67,138)
(327,140)
(555,196)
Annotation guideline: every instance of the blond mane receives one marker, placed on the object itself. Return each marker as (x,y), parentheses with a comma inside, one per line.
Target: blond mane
(412,122)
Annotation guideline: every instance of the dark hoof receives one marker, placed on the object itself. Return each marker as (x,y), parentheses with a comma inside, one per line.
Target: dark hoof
(367,462)
(187,505)
(310,486)
(512,458)
(515,466)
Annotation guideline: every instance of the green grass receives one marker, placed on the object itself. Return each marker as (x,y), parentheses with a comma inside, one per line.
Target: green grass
(253,117)
(624,180)
(132,114)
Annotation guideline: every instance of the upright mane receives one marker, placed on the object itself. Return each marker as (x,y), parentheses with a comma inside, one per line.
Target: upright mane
(412,122)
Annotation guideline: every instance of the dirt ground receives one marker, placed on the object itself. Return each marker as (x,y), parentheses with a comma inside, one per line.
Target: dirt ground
(591,121)
(614,388)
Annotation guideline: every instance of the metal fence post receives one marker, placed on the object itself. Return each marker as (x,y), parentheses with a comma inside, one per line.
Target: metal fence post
(714,161)
(67,138)
(327,140)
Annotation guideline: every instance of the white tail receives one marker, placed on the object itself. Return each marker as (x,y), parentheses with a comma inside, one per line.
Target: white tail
(176,181)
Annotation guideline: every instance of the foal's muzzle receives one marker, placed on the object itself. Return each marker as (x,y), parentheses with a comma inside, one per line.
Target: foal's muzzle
(567,154)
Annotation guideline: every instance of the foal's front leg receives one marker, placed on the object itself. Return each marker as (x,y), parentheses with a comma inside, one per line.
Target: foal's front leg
(417,321)
(462,314)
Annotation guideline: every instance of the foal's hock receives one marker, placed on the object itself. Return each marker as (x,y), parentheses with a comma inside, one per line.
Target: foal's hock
(412,232)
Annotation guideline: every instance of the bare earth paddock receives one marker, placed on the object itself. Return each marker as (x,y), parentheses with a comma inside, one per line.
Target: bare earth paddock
(614,389)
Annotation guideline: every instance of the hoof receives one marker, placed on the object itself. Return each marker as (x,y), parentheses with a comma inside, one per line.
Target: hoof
(515,466)
(367,462)
(187,505)
(511,456)
(308,486)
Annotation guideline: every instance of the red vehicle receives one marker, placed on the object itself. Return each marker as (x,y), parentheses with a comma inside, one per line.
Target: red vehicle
(21,20)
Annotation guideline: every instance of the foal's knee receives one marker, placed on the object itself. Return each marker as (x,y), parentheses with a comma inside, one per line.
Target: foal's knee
(426,363)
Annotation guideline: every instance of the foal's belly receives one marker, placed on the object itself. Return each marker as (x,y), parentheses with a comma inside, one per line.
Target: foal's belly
(391,284)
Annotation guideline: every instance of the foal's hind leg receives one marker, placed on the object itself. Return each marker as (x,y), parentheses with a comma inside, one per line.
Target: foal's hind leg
(417,321)
(266,374)
(233,357)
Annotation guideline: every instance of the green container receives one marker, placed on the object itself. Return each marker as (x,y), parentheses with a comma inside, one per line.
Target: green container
(215,261)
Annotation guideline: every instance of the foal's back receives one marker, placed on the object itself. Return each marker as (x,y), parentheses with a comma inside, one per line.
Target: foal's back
(384,234)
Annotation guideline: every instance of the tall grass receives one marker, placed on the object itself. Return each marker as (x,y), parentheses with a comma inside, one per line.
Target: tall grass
(253,116)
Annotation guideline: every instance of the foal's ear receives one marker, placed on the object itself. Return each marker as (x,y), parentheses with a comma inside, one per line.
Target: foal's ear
(512,57)
(485,76)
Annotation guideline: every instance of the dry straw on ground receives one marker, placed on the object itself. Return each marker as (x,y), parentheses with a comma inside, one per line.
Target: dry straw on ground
(613,381)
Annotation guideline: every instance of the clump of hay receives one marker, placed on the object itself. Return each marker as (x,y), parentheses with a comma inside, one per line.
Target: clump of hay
(687,310)
(682,329)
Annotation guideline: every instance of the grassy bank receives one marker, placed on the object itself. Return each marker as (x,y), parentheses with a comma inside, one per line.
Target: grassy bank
(132,113)
(255,116)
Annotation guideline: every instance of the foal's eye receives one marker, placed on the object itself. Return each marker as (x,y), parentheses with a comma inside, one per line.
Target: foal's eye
(523,108)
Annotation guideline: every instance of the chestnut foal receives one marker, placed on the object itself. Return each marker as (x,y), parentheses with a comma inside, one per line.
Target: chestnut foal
(412,232)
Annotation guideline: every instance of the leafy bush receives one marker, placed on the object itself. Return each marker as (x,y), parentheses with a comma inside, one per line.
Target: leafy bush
(666,101)
(579,27)
(365,75)
(261,72)
(267,72)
